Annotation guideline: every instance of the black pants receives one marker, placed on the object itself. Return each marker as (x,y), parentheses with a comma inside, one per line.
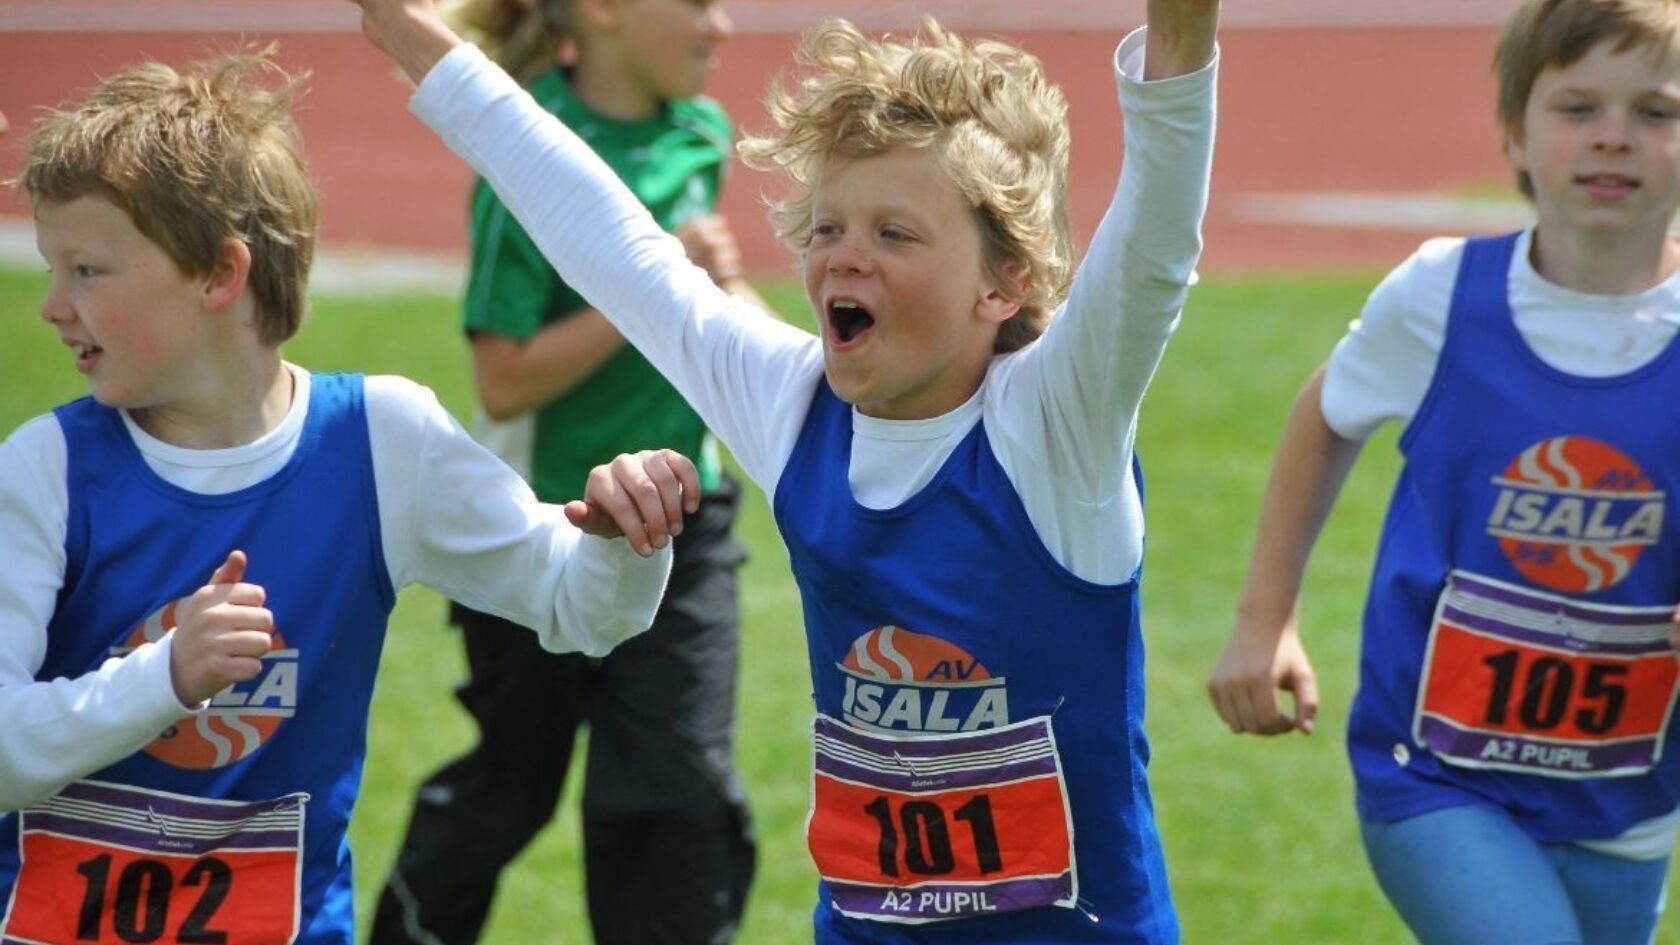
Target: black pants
(668,847)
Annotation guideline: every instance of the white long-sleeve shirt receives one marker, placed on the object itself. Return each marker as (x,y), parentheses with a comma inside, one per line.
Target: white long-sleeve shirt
(1061,414)
(452,517)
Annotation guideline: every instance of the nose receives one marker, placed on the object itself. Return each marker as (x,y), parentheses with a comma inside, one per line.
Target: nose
(52,306)
(847,257)
(1613,132)
(55,308)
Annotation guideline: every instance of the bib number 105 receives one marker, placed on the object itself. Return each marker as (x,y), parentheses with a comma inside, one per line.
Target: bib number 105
(1548,692)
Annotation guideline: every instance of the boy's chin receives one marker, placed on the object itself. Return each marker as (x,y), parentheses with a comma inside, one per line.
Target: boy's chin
(843,387)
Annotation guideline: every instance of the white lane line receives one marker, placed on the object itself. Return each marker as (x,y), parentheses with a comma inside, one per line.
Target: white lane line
(759,16)
(340,271)
(1423,212)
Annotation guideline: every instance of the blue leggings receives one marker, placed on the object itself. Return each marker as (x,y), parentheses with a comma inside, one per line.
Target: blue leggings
(1471,876)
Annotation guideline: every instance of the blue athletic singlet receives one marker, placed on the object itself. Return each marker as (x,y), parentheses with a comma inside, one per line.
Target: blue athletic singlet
(229,828)
(1515,635)
(979,750)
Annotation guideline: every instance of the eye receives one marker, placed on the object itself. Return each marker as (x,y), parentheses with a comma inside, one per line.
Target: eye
(1660,112)
(824,228)
(1575,109)
(893,234)
(82,271)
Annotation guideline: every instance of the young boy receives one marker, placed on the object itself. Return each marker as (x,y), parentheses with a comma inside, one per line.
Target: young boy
(200,557)
(958,499)
(1511,738)
(664,816)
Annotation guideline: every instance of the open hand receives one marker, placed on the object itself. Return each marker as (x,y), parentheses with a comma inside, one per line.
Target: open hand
(221,633)
(641,496)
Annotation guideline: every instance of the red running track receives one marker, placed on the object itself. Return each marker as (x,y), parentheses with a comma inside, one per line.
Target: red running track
(1388,109)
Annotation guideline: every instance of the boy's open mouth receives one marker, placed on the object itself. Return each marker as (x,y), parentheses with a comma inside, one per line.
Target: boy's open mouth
(847,320)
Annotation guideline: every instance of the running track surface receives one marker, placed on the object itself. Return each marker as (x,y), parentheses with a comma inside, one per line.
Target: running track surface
(1317,98)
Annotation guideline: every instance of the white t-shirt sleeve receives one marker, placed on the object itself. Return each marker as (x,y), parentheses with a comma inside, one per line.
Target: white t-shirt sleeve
(749,376)
(457,519)
(1382,367)
(59,730)
(1064,410)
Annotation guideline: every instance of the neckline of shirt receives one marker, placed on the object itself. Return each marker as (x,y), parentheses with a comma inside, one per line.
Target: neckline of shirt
(958,419)
(280,438)
(1660,302)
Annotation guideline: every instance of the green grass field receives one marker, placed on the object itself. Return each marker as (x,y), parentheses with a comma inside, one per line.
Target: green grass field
(1260,833)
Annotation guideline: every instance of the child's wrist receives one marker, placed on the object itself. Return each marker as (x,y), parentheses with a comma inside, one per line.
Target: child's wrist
(1266,611)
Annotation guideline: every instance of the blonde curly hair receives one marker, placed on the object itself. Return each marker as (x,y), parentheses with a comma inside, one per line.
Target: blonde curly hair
(998,125)
(195,158)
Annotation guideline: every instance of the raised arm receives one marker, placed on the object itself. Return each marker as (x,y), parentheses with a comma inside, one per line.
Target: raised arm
(1264,654)
(744,374)
(1066,407)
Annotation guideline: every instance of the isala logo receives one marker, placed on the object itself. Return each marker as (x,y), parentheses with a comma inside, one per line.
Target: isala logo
(239,719)
(1573,514)
(905,681)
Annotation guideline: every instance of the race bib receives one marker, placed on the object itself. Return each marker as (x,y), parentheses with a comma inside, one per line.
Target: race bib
(109,864)
(919,828)
(1519,680)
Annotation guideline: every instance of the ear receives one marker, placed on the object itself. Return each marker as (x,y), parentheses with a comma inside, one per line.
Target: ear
(229,276)
(1515,150)
(601,15)
(994,306)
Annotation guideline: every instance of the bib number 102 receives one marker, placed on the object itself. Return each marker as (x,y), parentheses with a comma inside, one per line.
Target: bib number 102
(139,910)
(921,832)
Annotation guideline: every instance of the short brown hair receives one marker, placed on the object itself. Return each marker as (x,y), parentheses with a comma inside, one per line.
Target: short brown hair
(1545,34)
(195,158)
(997,123)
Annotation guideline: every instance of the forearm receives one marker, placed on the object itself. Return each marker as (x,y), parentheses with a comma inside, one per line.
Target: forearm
(607,594)
(65,729)
(1101,351)
(470,528)
(59,730)
(513,376)
(1310,467)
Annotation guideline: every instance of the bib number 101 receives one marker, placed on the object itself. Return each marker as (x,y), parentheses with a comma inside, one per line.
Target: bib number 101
(138,906)
(921,832)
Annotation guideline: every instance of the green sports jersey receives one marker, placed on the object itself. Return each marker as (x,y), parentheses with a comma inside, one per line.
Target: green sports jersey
(674,163)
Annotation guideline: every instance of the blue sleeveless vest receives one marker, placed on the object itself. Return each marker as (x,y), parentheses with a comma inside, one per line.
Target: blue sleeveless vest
(293,739)
(948,616)
(1529,481)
